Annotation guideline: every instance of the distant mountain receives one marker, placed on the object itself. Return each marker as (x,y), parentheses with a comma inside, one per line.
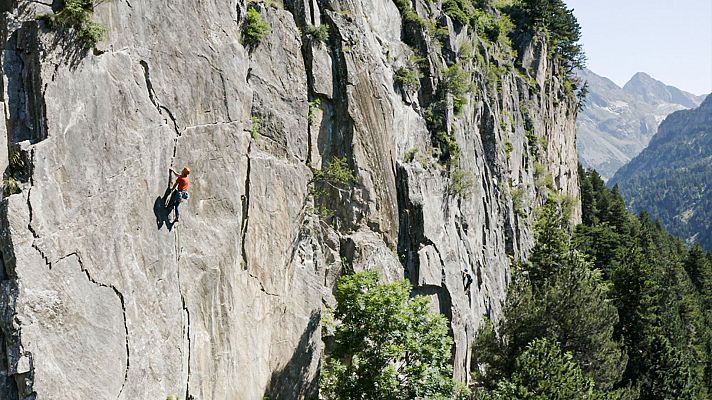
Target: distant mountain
(672,177)
(618,123)
(652,91)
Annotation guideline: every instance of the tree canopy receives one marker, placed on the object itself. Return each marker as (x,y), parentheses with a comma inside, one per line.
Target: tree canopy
(387,345)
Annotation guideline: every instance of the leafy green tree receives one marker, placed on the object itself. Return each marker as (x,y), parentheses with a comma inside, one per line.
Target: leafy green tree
(563,28)
(388,345)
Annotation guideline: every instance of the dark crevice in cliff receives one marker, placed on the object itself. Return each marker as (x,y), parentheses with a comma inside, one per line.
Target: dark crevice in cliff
(24,381)
(30,228)
(10,342)
(262,286)
(341,145)
(295,379)
(160,107)
(186,313)
(187,333)
(410,232)
(22,69)
(246,209)
(225,101)
(149,85)
(34,233)
(123,309)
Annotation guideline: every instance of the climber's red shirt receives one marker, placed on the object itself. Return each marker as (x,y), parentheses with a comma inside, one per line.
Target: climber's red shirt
(183,183)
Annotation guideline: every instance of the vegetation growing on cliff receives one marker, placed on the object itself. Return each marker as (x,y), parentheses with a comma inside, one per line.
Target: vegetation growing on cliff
(319,33)
(335,178)
(77,14)
(617,295)
(387,345)
(256,28)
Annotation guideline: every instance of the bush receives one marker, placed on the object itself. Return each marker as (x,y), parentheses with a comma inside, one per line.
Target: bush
(410,155)
(256,127)
(77,14)
(457,82)
(518,201)
(319,33)
(314,108)
(459,10)
(408,78)
(451,145)
(410,16)
(461,183)
(256,28)
(11,186)
(337,174)
(508,147)
(15,160)
(495,28)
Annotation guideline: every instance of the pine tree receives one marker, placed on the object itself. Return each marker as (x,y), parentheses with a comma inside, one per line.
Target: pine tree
(543,371)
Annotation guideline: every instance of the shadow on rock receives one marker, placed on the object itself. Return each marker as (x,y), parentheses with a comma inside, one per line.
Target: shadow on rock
(293,380)
(162,209)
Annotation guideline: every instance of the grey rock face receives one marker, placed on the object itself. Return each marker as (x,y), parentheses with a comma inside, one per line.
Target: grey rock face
(104,297)
(617,123)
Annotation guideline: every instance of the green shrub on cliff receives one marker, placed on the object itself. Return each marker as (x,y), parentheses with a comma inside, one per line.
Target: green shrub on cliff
(256,28)
(11,186)
(407,78)
(77,14)
(457,82)
(319,33)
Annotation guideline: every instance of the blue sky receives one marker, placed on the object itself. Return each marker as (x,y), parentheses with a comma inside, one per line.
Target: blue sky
(669,40)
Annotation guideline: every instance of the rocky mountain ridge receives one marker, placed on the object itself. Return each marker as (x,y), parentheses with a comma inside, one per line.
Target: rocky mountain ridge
(103,296)
(617,123)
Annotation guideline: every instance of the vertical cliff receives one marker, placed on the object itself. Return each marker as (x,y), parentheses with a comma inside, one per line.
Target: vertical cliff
(104,297)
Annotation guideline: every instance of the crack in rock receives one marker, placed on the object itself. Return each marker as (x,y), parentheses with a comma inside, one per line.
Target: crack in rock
(34,233)
(123,308)
(246,208)
(160,107)
(184,306)
(187,333)
(262,286)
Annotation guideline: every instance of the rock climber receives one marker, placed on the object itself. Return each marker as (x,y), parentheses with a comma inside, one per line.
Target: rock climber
(467,280)
(183,185)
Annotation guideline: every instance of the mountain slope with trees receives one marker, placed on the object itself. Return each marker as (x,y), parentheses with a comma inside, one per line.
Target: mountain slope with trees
(672,178)
(617,123)
(615,308)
